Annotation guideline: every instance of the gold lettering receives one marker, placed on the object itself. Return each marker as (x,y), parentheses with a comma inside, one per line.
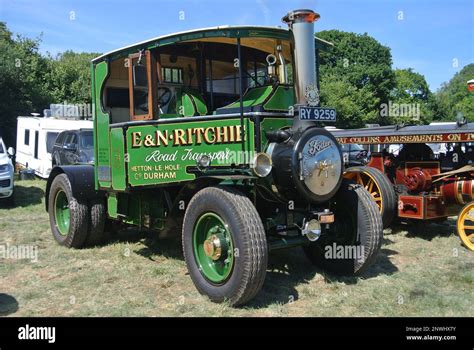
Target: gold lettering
(211,139)
(136,139)
(149,142)
(222,134)
(189,136)
(198,132)
(161,138)
(179,139)
(238,135)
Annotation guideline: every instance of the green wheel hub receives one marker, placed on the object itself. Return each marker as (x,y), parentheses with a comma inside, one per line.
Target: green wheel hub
(213,248)
(61,212)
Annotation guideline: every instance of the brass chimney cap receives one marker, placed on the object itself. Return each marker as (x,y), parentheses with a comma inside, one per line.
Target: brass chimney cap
(303,15)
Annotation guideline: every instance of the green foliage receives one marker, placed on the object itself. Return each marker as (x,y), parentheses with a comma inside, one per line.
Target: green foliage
(412,89)
(30,82)
(454,98)
(364,67)
(350,102)
(70,77)
(22,80)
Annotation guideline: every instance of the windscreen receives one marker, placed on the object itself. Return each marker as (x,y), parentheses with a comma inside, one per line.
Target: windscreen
(87,141)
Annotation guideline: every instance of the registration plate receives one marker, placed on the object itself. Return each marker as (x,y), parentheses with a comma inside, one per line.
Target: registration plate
(317,113)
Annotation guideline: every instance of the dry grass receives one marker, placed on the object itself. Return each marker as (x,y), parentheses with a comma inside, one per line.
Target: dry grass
(417,274)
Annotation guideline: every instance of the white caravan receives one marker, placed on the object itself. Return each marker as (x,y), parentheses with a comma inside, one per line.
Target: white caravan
(35,140)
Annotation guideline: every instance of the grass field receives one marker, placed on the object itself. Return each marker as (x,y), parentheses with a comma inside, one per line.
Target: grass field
(423,271)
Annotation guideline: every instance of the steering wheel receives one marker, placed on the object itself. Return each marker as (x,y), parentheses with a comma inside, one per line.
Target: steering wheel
(164,95)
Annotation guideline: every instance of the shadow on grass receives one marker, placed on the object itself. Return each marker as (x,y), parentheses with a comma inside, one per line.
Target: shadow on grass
(23,197)
(8,304)
(288,269)
(424,230)
(166,247)
(153,245)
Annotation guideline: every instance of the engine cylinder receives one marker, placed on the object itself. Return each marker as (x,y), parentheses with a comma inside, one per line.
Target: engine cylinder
(417,180)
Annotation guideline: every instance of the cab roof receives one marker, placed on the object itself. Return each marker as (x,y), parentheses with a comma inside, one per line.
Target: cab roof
(220,31)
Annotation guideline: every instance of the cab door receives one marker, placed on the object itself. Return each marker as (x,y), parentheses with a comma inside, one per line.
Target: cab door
(142,86)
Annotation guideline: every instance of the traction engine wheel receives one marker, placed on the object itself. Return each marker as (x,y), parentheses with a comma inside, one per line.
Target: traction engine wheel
(380,188)
(465,225)
(224,245)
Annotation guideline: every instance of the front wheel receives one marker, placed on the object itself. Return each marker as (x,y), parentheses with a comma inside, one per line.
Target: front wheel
(352,242)
(224,245)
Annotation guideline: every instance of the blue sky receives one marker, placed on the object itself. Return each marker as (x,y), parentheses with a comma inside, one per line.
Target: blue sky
(431,37)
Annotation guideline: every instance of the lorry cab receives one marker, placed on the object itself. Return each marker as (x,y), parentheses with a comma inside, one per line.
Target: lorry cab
(212,133)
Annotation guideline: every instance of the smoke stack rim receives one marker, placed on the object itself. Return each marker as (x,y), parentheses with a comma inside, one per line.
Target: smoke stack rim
(303,15)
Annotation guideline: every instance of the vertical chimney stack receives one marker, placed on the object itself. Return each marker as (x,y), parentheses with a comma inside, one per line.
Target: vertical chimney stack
(301,23)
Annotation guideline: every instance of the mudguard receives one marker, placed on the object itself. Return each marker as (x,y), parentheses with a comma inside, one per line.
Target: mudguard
(81,178)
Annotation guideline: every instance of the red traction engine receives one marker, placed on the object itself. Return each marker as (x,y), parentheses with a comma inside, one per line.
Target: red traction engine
(426,194)
(411,181)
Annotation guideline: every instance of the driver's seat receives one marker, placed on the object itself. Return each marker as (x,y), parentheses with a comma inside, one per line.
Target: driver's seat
(185,103)
(193,103)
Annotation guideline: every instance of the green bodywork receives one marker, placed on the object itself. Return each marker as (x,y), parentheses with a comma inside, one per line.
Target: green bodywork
(152,165)
(136,160)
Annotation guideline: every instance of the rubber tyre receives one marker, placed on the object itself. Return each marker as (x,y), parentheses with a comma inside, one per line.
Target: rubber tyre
(96,233)
(358,223)
(79,215)
(248,236)
(389,197)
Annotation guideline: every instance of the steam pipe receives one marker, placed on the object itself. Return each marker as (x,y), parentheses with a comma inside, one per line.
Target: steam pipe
(283,72)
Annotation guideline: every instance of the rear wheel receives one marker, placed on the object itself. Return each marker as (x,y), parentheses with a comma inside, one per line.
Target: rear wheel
(354,239)
(97,233)
(224,245)
(379,187)
(68,217)
(465,225)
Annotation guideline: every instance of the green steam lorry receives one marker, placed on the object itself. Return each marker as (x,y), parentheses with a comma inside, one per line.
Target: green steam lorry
(213,134)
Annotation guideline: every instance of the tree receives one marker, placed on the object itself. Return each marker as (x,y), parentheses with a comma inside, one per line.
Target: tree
(30,82)
(454,99)
(363,65)
(412,91)
(22,80)
(349,101)
(69,78)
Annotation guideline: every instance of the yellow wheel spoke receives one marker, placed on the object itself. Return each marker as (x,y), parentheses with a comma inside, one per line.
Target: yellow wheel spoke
(469,227)
(371,186)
